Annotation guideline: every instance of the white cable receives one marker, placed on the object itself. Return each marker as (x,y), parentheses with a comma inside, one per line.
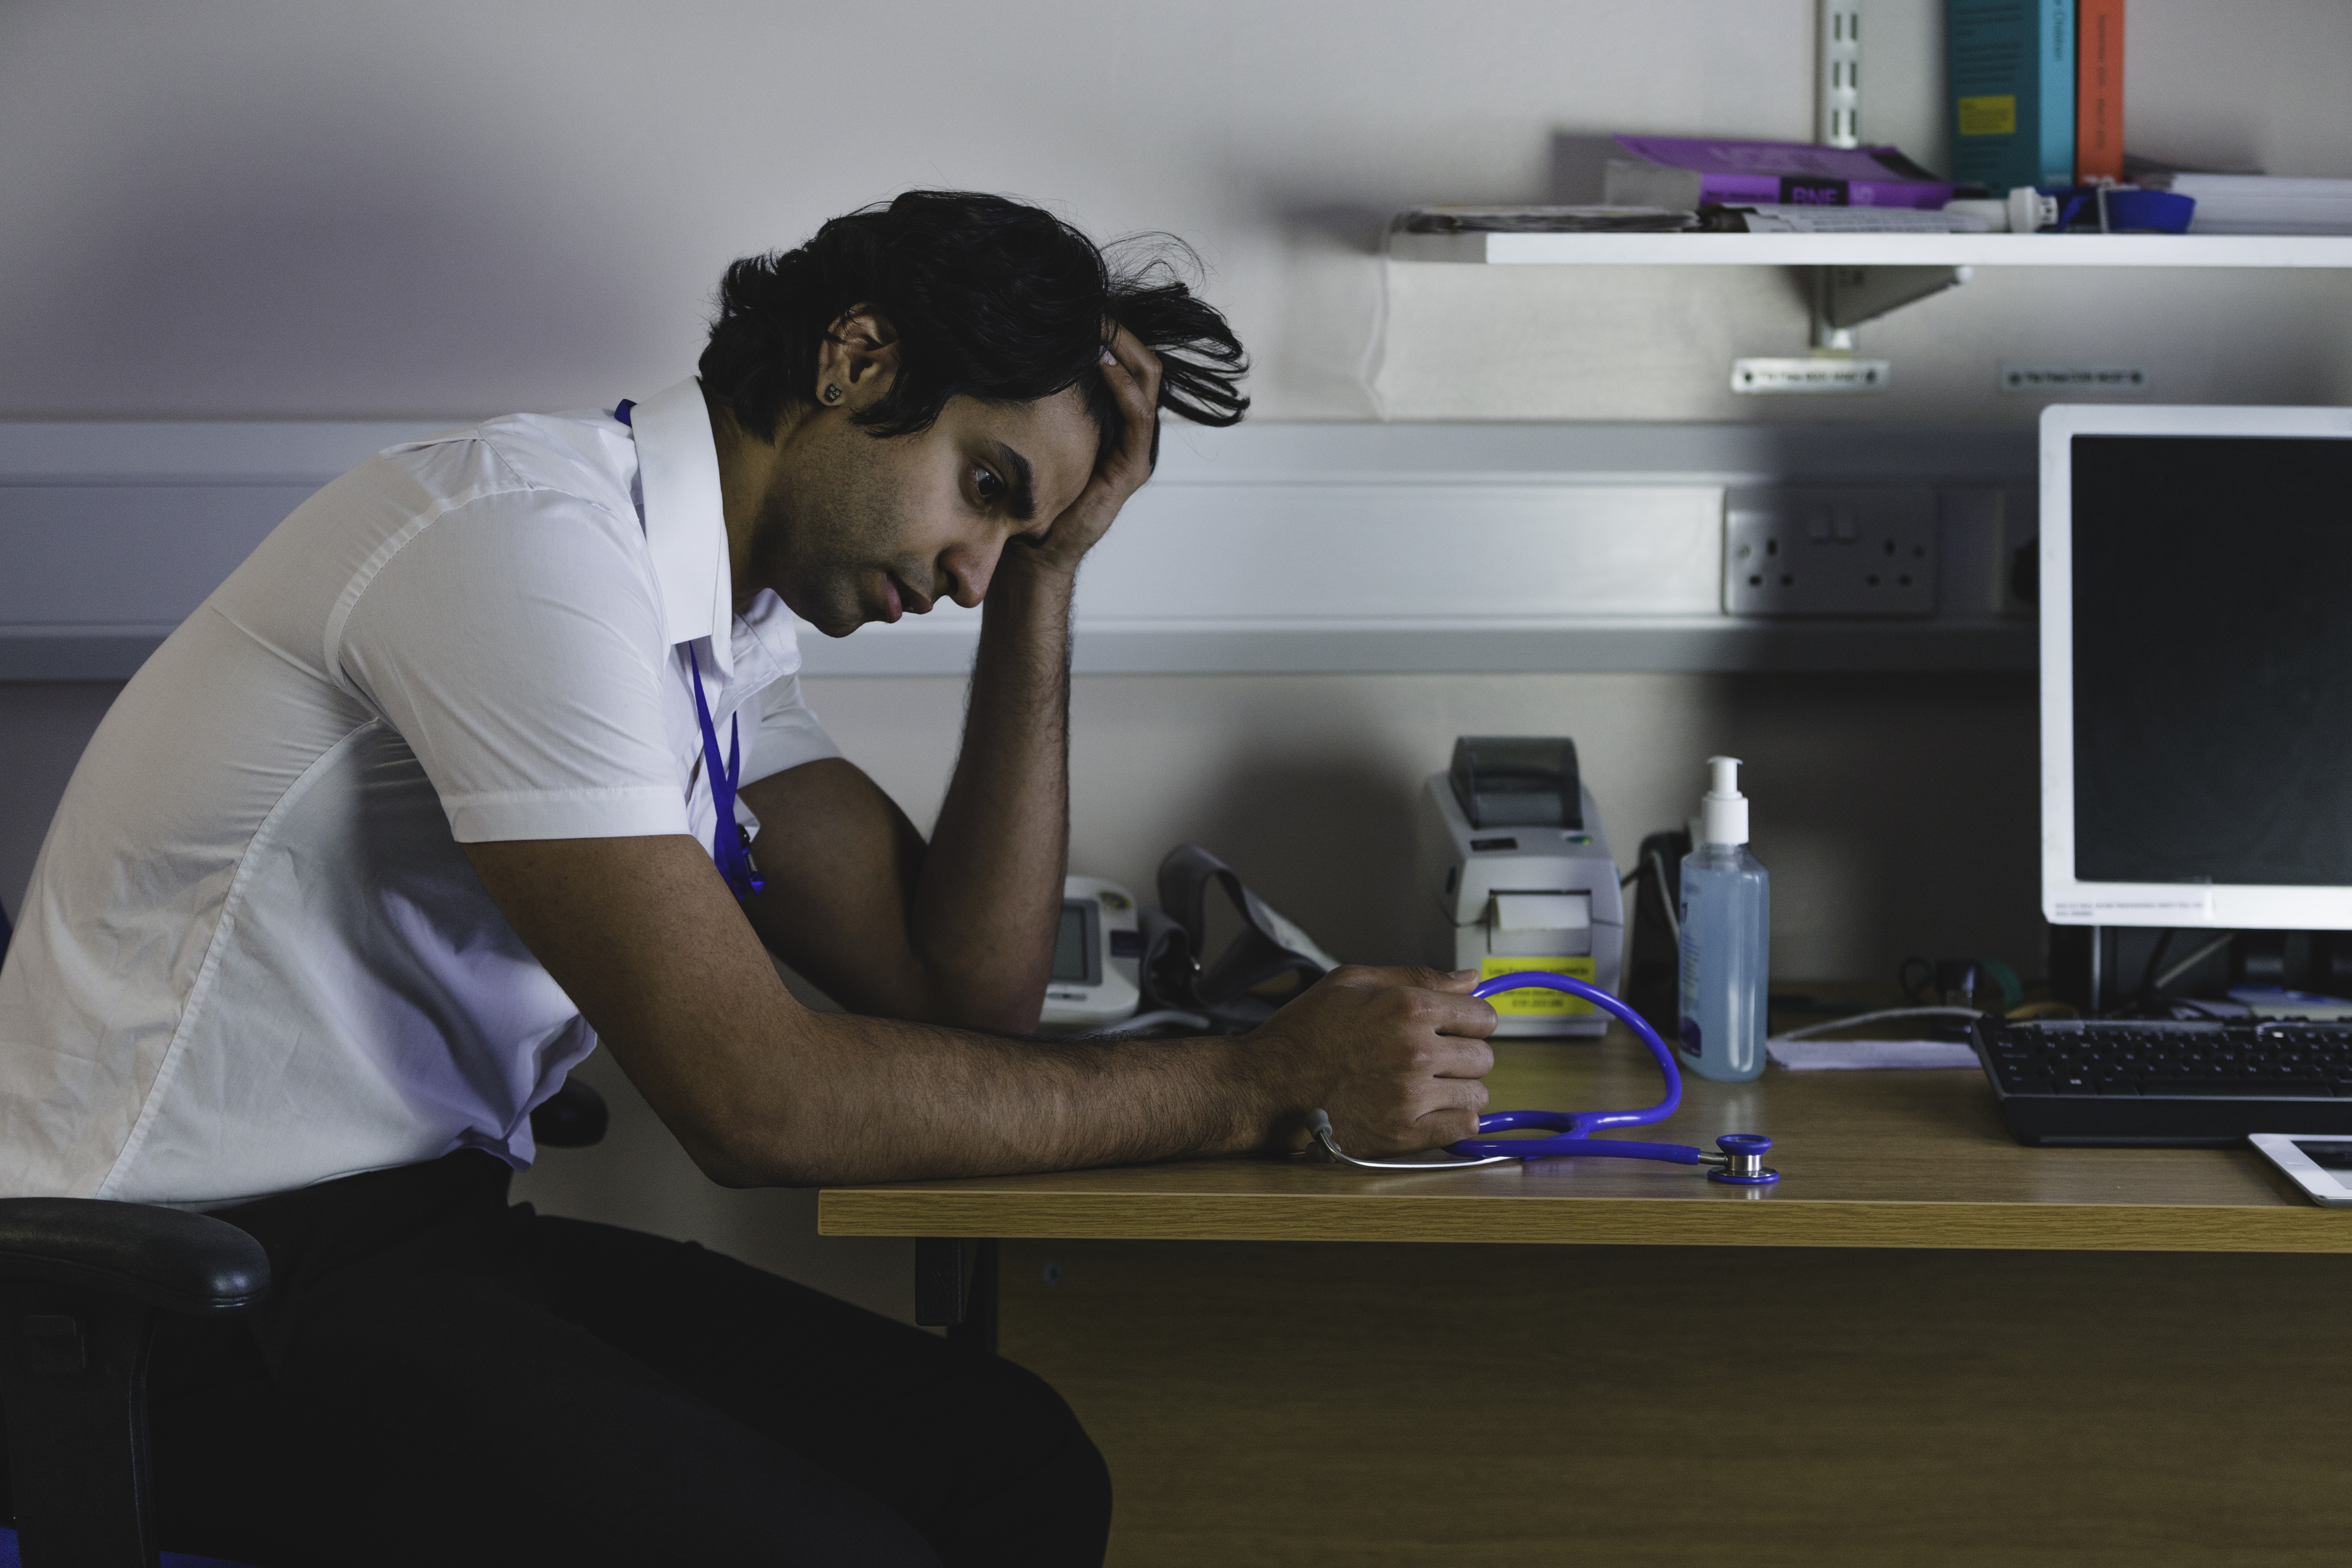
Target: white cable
(1376,347)
(1810,1030)
(1319,1125)
(1145,1021)
(2193,960)
(1665,898)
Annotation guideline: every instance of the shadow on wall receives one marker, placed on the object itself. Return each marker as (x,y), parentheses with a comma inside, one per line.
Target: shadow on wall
(1919,830)
(1580,167)
(1360,228)
(1323,841)
(1897,814)
(44,725)
(346,273)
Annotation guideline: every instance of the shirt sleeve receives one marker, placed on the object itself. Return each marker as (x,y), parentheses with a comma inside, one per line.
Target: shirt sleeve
(516,643)
(788,735)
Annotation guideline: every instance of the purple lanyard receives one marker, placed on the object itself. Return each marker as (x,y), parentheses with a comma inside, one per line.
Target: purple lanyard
(731,846)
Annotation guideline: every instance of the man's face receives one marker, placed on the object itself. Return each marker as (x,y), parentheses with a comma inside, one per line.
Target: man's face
(853,529)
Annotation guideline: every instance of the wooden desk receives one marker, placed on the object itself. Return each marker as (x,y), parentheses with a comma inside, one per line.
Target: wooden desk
(1867,1159)
(1938,1347)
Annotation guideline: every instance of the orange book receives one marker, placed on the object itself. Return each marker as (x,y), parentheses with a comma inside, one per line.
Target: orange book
(2098,90)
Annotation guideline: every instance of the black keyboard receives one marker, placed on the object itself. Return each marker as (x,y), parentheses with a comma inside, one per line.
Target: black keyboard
(2191,1082)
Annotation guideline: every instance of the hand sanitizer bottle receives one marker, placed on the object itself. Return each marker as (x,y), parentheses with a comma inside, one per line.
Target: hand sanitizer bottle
(1726,908)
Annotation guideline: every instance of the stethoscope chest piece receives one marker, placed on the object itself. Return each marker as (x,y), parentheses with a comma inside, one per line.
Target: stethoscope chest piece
(1743,1166)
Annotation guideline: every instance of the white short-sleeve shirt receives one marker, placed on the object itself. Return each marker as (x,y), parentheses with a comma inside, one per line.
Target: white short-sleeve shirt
(253,955)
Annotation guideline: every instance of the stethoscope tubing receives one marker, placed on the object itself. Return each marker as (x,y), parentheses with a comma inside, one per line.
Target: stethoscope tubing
(1575,1128)
(1739,1164)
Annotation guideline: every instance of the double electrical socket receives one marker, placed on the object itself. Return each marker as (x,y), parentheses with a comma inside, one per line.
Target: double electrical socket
(1845,550)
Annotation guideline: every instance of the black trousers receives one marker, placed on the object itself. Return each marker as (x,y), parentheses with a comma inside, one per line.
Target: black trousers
(439,1378)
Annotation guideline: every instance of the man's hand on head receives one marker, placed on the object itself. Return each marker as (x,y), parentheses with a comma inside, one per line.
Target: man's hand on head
(1132,372)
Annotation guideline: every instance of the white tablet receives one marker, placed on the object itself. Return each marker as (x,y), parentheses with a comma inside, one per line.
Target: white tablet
(2321,1164)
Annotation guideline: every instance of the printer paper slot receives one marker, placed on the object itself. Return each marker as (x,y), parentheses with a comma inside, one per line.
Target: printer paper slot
(1539,925)
(1543,911)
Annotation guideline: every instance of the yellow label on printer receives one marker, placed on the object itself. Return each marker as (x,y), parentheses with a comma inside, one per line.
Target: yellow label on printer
(1535,1001)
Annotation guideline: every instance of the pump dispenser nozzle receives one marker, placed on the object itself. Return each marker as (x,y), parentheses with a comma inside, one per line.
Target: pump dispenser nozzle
(1723,810)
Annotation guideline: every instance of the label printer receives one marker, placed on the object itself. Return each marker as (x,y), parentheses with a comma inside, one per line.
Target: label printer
(1511,872)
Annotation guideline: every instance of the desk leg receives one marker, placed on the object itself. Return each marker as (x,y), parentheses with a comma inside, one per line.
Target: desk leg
(957,1291)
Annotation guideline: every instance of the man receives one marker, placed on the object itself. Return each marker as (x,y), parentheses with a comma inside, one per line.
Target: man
(484,757)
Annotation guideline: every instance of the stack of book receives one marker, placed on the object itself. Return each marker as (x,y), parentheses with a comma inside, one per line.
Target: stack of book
(1542,220)
(1684,174)
(2261,204)
(2037,91)
(1765,217)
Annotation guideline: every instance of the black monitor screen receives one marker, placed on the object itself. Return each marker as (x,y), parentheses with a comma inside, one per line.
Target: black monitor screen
(1073,949)
(2212,659)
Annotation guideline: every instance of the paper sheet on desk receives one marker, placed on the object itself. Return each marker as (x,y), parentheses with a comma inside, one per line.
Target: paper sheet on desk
(1820,1055)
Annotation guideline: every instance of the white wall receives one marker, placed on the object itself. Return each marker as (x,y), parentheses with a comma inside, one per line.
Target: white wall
(299,208)
(1868,790)
(311,208)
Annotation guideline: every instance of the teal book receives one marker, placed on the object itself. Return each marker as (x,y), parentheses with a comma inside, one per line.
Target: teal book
(2012,93)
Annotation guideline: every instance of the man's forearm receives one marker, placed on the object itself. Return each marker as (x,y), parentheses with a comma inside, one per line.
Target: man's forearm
(642,934)
(875,1099)
(986,901)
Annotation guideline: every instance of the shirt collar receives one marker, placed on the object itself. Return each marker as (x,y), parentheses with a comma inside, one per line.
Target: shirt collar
(686,519)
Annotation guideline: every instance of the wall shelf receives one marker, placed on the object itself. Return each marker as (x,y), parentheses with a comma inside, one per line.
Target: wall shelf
(1859,278)
(1876,250)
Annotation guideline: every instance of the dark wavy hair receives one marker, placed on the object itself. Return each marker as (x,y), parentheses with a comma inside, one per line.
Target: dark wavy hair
(992,299)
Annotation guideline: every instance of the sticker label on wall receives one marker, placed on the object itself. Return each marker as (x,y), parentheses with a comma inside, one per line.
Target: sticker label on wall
(1809,374)
(1534,1003)
(2065,380)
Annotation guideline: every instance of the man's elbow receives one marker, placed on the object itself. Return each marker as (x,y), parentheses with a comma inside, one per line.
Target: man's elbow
(734,1150)
(732,1164)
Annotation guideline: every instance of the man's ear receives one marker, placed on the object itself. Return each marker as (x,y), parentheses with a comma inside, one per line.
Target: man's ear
(859,359)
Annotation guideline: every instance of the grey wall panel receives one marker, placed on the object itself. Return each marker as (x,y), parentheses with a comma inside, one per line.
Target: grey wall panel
(1266,548)
(136,554)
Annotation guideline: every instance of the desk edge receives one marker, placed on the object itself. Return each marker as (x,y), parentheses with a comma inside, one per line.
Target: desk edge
(1619,1222)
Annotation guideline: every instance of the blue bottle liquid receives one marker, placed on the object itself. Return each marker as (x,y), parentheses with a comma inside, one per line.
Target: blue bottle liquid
(1727,919)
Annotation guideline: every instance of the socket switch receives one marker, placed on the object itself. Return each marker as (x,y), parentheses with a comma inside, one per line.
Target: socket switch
(1836,551)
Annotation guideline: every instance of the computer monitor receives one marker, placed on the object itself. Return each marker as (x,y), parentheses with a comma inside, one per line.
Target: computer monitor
(2196,601)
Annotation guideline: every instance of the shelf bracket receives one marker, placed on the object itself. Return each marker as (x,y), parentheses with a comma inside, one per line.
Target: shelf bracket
(1845,297)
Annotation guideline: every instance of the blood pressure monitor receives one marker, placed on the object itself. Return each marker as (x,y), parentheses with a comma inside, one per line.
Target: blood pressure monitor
(1097,954)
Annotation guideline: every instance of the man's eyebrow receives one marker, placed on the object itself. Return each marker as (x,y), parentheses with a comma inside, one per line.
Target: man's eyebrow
(1022,500)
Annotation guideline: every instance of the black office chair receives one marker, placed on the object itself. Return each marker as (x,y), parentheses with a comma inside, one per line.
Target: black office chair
(81,1281)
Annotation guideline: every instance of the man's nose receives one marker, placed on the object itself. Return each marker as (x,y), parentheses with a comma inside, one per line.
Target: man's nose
(965,571)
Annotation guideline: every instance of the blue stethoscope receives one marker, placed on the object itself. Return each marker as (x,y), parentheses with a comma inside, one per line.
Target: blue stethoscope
(1741,1164)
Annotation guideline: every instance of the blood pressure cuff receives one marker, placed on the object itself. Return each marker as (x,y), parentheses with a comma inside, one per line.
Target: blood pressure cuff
(1240,987)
